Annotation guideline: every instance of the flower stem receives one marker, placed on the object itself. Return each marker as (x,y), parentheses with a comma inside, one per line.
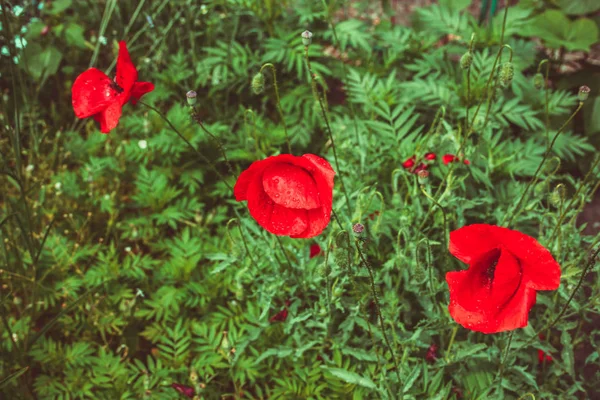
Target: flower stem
(547,100)
(197,119)
(287,138)
(191,146)
(337,165)
(534,179)
(378,310)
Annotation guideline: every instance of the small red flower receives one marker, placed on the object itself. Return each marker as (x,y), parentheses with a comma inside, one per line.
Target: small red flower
(506,269)
(95,95)
(281,316)
(288,195)
(409,163)
(184,390)
(315,250)
(421,167)
(542,355)
(431,355)
(448,158)
(430,156)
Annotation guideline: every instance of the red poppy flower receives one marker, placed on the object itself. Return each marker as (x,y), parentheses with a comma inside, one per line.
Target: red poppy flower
(506,268)
(281,316)
(184,390)
(409,163)
(430,156)
(95,95)
(421,167)
(315,250)
(288,195)
(448,158)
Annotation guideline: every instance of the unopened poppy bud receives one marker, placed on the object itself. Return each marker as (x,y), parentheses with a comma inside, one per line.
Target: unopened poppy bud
(466,60)
(558,195)
(507,73)
(423,174)
(191,97)
(538,80)
(307,38)
(584,93)
(358,228)
(258,83)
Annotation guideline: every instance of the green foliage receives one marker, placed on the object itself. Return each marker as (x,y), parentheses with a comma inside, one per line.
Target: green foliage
(126,264)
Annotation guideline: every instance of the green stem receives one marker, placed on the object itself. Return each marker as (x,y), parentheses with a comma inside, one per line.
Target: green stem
(534,179)
(196,117)
(287,138)
(337,165)
(547,101)
(378,310)
(191,146)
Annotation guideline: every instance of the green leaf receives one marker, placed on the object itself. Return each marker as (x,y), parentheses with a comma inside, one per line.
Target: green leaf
(351,377)
(40,62)
(74,35)
(567,352)
(57,6)
(556,30)
(578,7)
(4,381)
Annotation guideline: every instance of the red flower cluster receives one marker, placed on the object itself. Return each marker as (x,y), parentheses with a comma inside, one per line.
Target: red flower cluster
(288,195)
(448,158)
(412,161)
(506,268)
(95,95)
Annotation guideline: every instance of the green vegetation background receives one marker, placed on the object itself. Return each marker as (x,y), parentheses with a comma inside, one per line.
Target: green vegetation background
(122,271)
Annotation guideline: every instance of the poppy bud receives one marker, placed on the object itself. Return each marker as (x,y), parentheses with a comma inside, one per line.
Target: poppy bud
(191,97)
(258,83)
(466,60)
(507,73)
(193,376)
(423,174)
(584,93)
(307,38)
(358,228)
(538,80)
(558,195)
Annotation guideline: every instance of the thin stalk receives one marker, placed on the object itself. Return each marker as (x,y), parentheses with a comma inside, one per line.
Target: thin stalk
(547,101)
(534,179)
(378,310)
(191,146)
(452,337)
(504,358)
(287,138)
(337,165)
(198,120)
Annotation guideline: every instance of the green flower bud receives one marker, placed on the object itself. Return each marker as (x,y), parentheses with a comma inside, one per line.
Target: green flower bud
(258,83)
(584,93)
(538,81)
(191,97)
(507,73)
(466,60)
(558,195)
(307,38)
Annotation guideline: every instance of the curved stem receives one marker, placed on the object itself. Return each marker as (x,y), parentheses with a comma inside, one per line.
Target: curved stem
(213,137)
(191,146)
(337,165)
(546,154)
(272,67)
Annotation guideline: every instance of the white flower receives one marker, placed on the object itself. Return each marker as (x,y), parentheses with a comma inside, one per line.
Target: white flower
(143,144)
(57,185)
(128,249)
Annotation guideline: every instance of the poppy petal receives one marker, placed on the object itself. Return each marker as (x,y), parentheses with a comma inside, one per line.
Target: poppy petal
(448,158)
(290,186)
(92,92)
(109,118)
(139,89)
(126,72)
(274,218)
(471,241)
(318,219)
